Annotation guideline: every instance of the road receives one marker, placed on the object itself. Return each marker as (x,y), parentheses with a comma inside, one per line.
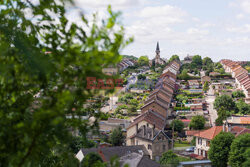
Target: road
(210,100)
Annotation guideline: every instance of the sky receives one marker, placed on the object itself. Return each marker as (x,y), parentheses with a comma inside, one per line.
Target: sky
(219,29)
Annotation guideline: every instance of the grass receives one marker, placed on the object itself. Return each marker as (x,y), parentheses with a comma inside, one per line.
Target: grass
(181,144)
(181,159)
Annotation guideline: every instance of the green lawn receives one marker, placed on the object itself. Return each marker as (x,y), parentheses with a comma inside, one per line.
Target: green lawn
(176,144)
(181,159)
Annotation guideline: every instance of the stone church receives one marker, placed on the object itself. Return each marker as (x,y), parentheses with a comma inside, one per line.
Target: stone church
(157,60)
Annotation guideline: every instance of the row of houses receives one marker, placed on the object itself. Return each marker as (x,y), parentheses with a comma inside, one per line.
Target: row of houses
(148,128)
(123,65)
(242,78)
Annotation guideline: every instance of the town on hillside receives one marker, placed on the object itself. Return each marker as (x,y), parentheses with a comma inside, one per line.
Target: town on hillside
(172,107)
(124,83)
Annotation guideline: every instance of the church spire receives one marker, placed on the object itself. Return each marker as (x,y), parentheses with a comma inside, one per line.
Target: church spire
(157,51)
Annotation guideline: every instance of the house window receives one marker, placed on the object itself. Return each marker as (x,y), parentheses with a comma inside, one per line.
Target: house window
(163,147)
(149,147)
(137,142)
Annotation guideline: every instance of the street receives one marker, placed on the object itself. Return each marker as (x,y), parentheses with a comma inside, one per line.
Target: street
(210,100)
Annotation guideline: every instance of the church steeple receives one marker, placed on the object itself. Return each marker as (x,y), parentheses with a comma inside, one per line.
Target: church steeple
(157,51)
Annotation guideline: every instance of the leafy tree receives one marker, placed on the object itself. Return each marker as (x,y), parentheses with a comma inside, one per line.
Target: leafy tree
(178,125)
(193,141)
(239,153)
(197,122)
(119,109)
(141,77)
(174,57)
(182,98)
(238,94)
(44,65)
(92,159)
(243,108)
(226,102)
(205,86)
(169,158)
(117,137)
(219,149)
(196,62)
(207,61)
(143,61)
(222,115)
(184,75)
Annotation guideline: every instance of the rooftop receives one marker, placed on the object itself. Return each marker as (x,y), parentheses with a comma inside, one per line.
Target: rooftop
(209,133)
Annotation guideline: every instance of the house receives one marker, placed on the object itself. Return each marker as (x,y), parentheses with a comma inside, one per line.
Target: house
(112,123)
(110,70)
(147,129)
(193,84)
(205,79)
(187,59)
(203,139)
(214,74)
(159,100)
(190,134)
(134,156)
(156,141)
(243,121)
(186,122)
(196,107)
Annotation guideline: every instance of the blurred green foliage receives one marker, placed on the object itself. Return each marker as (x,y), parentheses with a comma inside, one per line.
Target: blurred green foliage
(44,62)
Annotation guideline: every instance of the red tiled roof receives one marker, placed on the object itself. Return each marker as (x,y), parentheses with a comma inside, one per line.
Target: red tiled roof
(237,130)
(185,120)
(191,132)
(245,120)
(210,133)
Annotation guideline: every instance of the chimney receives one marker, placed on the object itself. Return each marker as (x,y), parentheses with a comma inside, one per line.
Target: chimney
(136,128)
(144,130)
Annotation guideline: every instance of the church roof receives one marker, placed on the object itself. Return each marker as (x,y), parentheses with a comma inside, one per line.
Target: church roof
(157,47)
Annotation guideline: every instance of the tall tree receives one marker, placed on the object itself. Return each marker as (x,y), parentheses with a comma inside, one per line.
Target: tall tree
(174,57)
(219,149)
(117,137)
(239,150)
(226,102)
(207,61)
(45,61)
(205,86)
(177,124)
(197,122)
(196,62)
(143,61)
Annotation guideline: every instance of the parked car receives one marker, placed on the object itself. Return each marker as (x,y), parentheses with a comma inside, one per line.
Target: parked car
(190,149)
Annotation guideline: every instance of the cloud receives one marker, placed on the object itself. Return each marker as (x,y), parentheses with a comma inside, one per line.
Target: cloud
(99,4)
(245,5)
(161,11)
(197,31)
(240,16)
(243,29)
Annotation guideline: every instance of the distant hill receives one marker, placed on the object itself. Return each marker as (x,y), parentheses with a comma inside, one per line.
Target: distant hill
(130,57)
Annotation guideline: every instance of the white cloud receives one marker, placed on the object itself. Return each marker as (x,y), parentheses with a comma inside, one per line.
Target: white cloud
(243,29)
(97,4)
(240,16)
(197,31)
(245,5)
